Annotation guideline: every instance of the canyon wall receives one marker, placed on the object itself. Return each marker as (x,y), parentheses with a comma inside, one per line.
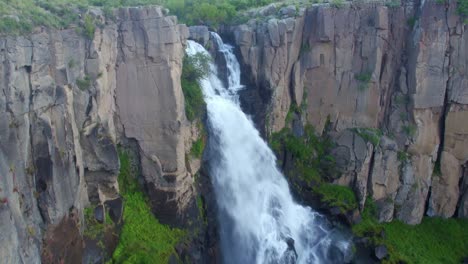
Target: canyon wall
(397,72)
(68,101)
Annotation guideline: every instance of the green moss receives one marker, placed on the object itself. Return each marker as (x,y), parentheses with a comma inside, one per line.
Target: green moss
(143,239)
(337,196)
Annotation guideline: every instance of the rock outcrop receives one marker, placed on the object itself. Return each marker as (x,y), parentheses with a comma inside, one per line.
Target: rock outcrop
(68,102)
(401,70)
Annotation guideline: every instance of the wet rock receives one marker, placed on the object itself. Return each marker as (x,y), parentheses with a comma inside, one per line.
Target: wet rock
(115,208)
(99,213)
(381,252)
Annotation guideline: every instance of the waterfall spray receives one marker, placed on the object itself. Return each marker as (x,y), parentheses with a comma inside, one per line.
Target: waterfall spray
(259,220)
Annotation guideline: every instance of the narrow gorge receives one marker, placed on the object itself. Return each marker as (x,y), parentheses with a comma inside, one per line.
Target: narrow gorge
(130,137)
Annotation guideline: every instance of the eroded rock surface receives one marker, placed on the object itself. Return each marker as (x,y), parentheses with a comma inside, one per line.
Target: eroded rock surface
(360,66)
(68,101)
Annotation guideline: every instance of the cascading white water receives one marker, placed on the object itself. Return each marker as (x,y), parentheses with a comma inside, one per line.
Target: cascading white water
(258,218)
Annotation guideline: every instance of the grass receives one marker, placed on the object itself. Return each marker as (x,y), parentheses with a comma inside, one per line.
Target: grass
(197,147)
(337,196)
(143,239)
(435,240)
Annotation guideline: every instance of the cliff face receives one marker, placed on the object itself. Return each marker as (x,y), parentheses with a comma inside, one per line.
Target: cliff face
(401,70)
(68,101)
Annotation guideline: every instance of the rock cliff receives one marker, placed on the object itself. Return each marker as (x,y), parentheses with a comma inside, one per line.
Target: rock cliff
(68,101)
(398,72)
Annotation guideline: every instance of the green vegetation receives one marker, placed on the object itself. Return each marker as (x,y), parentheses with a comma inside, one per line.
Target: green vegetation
(372,135)
(95,230)
(364,78)
(84,83)
(143,239)
(337,196)
(410,130)
(337,3)
(435,240)
(402,99)
(411,21)
(393,3)
(305,48)
(89,27)
(197,147)
(313,163)
(462,8)
(194,69)
(437,169)
(310,152)
(20,16)
(403,156)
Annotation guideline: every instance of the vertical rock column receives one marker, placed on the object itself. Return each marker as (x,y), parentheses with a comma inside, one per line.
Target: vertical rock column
(150,105)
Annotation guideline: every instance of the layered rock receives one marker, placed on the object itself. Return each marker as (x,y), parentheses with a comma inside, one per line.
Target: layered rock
(68,102)
(401,70)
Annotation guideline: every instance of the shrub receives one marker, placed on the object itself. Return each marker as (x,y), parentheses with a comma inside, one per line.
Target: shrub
(337,196)
(311,153)
(194,69)
(88,27)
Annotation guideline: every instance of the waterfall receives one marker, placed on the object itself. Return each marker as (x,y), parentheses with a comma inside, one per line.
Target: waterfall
(259,220)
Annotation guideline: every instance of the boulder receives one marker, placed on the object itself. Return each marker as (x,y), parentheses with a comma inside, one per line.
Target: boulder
(381,252)
(99,214)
